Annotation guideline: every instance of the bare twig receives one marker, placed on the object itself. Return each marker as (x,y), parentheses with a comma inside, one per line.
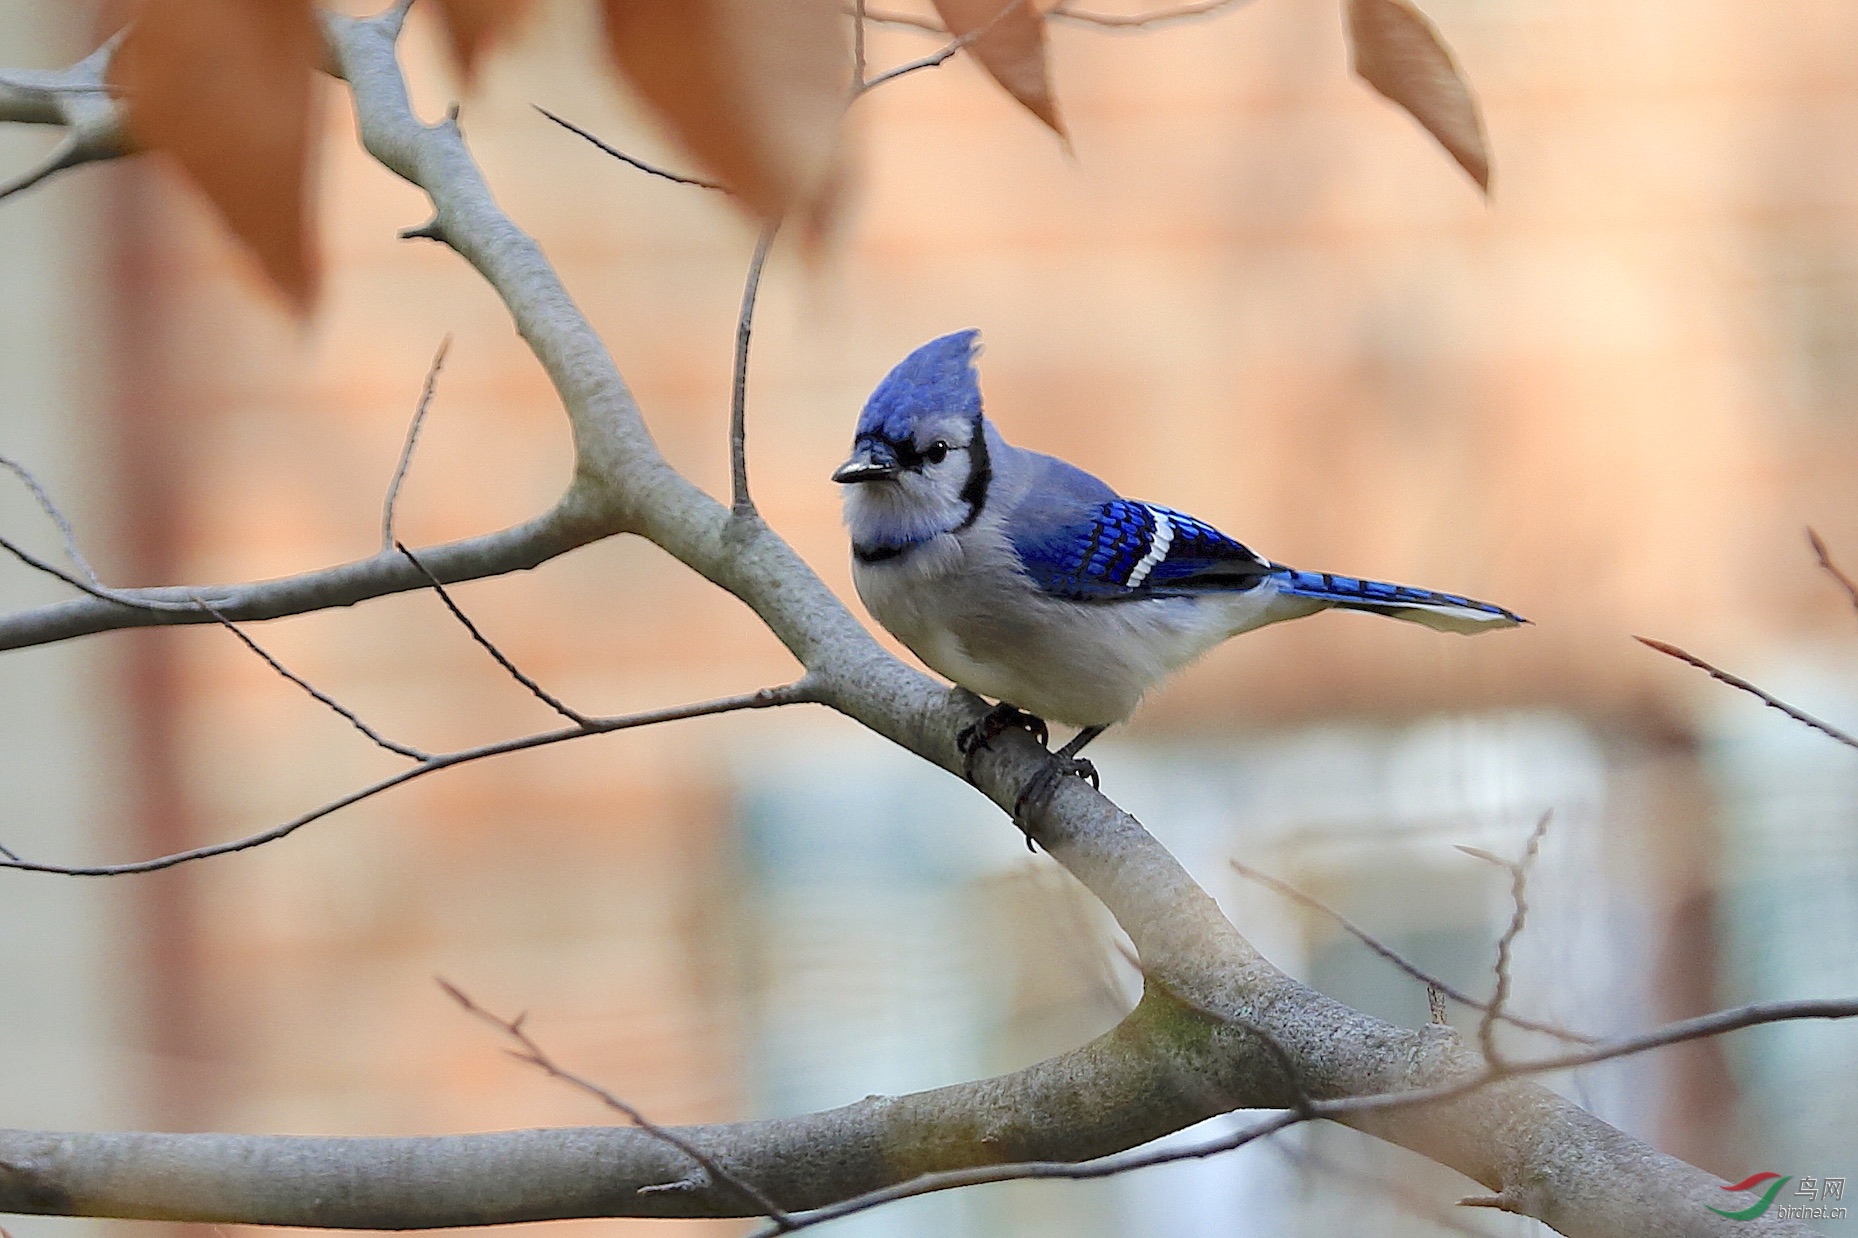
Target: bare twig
(77,98)
(1083,939)
(353,718)
(1736,681)
(528,1050)
(740,502)
(1519,915)
(1407,1199)
(542,694)
(909,21)
(1342,1107)
(1432,982)
(790,694)
(651,169)
(44,499)
(95,590)
(1832,569)
(412,441)
(1066,13)
(68,153)
(858,46)
(942,56)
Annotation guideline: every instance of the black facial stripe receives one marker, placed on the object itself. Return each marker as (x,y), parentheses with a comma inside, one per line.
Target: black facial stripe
(912,460)
(980,476)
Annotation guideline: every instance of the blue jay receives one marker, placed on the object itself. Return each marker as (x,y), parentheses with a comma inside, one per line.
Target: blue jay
(1027,580)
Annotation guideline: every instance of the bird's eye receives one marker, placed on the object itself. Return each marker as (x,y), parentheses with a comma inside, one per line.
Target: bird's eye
(936,452)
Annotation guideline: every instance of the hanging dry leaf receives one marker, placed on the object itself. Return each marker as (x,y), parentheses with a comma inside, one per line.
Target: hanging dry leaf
(1010,46)
(1397,51)
(472,25)
(754,89)
(224,86)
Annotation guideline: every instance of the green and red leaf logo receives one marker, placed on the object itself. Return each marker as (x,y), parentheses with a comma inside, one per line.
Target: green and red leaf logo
(1775,1183)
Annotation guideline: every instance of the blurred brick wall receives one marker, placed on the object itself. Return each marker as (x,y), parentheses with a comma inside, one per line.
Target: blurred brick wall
(1609,399)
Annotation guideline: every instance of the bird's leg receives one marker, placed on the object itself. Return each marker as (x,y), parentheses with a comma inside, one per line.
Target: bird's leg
(1083,768)
(1064,762)
(1002,718)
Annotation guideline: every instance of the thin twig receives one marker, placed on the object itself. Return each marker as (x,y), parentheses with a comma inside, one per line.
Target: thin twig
(97,591)
(1083,937)
(1407,1199)
(533,1053)
(858,46)
(412,440)
(740,502)
(1432,982)
(1133,21)
(1519,915)
(909,21)
(44,499)
(353,718)
(947,52)
(542,694)
(1066,13)
(791,694)
(1832,569)
(1341,1107)
(68,153)
(1736,681)
(677,178)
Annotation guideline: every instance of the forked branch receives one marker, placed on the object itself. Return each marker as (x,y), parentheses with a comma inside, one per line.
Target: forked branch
(1212,1033)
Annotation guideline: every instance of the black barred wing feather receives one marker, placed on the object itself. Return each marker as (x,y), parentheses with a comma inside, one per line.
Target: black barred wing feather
(1131,550)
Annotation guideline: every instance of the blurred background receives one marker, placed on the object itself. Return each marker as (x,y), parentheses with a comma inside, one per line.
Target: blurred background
(1612,398)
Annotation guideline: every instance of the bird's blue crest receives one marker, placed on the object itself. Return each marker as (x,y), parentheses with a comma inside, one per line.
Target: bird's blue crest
(939,377)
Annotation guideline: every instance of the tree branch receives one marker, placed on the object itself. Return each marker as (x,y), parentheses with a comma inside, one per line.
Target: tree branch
(796,693)
(77,99)
(740,503)
(1761,694)
(412,442)
(676,178)
(321,697)
(1519,916)
(528,1050)
(484,642)
(1433,983)
(1195,1046)
(1832,569)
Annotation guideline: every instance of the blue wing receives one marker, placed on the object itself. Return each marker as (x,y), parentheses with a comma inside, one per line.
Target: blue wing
(1127,550)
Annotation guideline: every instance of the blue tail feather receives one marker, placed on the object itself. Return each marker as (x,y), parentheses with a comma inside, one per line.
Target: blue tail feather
(1447,611)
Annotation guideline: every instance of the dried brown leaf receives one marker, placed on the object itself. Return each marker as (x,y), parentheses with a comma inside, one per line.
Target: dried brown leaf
(224,87)
(754,89)
(473,25)
(1010,45)
(1399,53)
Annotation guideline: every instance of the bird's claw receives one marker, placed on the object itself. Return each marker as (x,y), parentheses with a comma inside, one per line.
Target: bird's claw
(1039,788)
(1002,718)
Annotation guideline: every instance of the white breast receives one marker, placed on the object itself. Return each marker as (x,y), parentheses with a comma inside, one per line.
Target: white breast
(972,616)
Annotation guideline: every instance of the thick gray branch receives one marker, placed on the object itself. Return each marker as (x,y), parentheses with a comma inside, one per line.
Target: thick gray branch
(1191,1049)
(494,554)
(74,98)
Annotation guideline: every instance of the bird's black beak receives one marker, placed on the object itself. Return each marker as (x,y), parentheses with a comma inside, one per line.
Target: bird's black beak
(871,461)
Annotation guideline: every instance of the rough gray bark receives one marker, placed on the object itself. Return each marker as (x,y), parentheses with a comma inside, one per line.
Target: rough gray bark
(1194,1047)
